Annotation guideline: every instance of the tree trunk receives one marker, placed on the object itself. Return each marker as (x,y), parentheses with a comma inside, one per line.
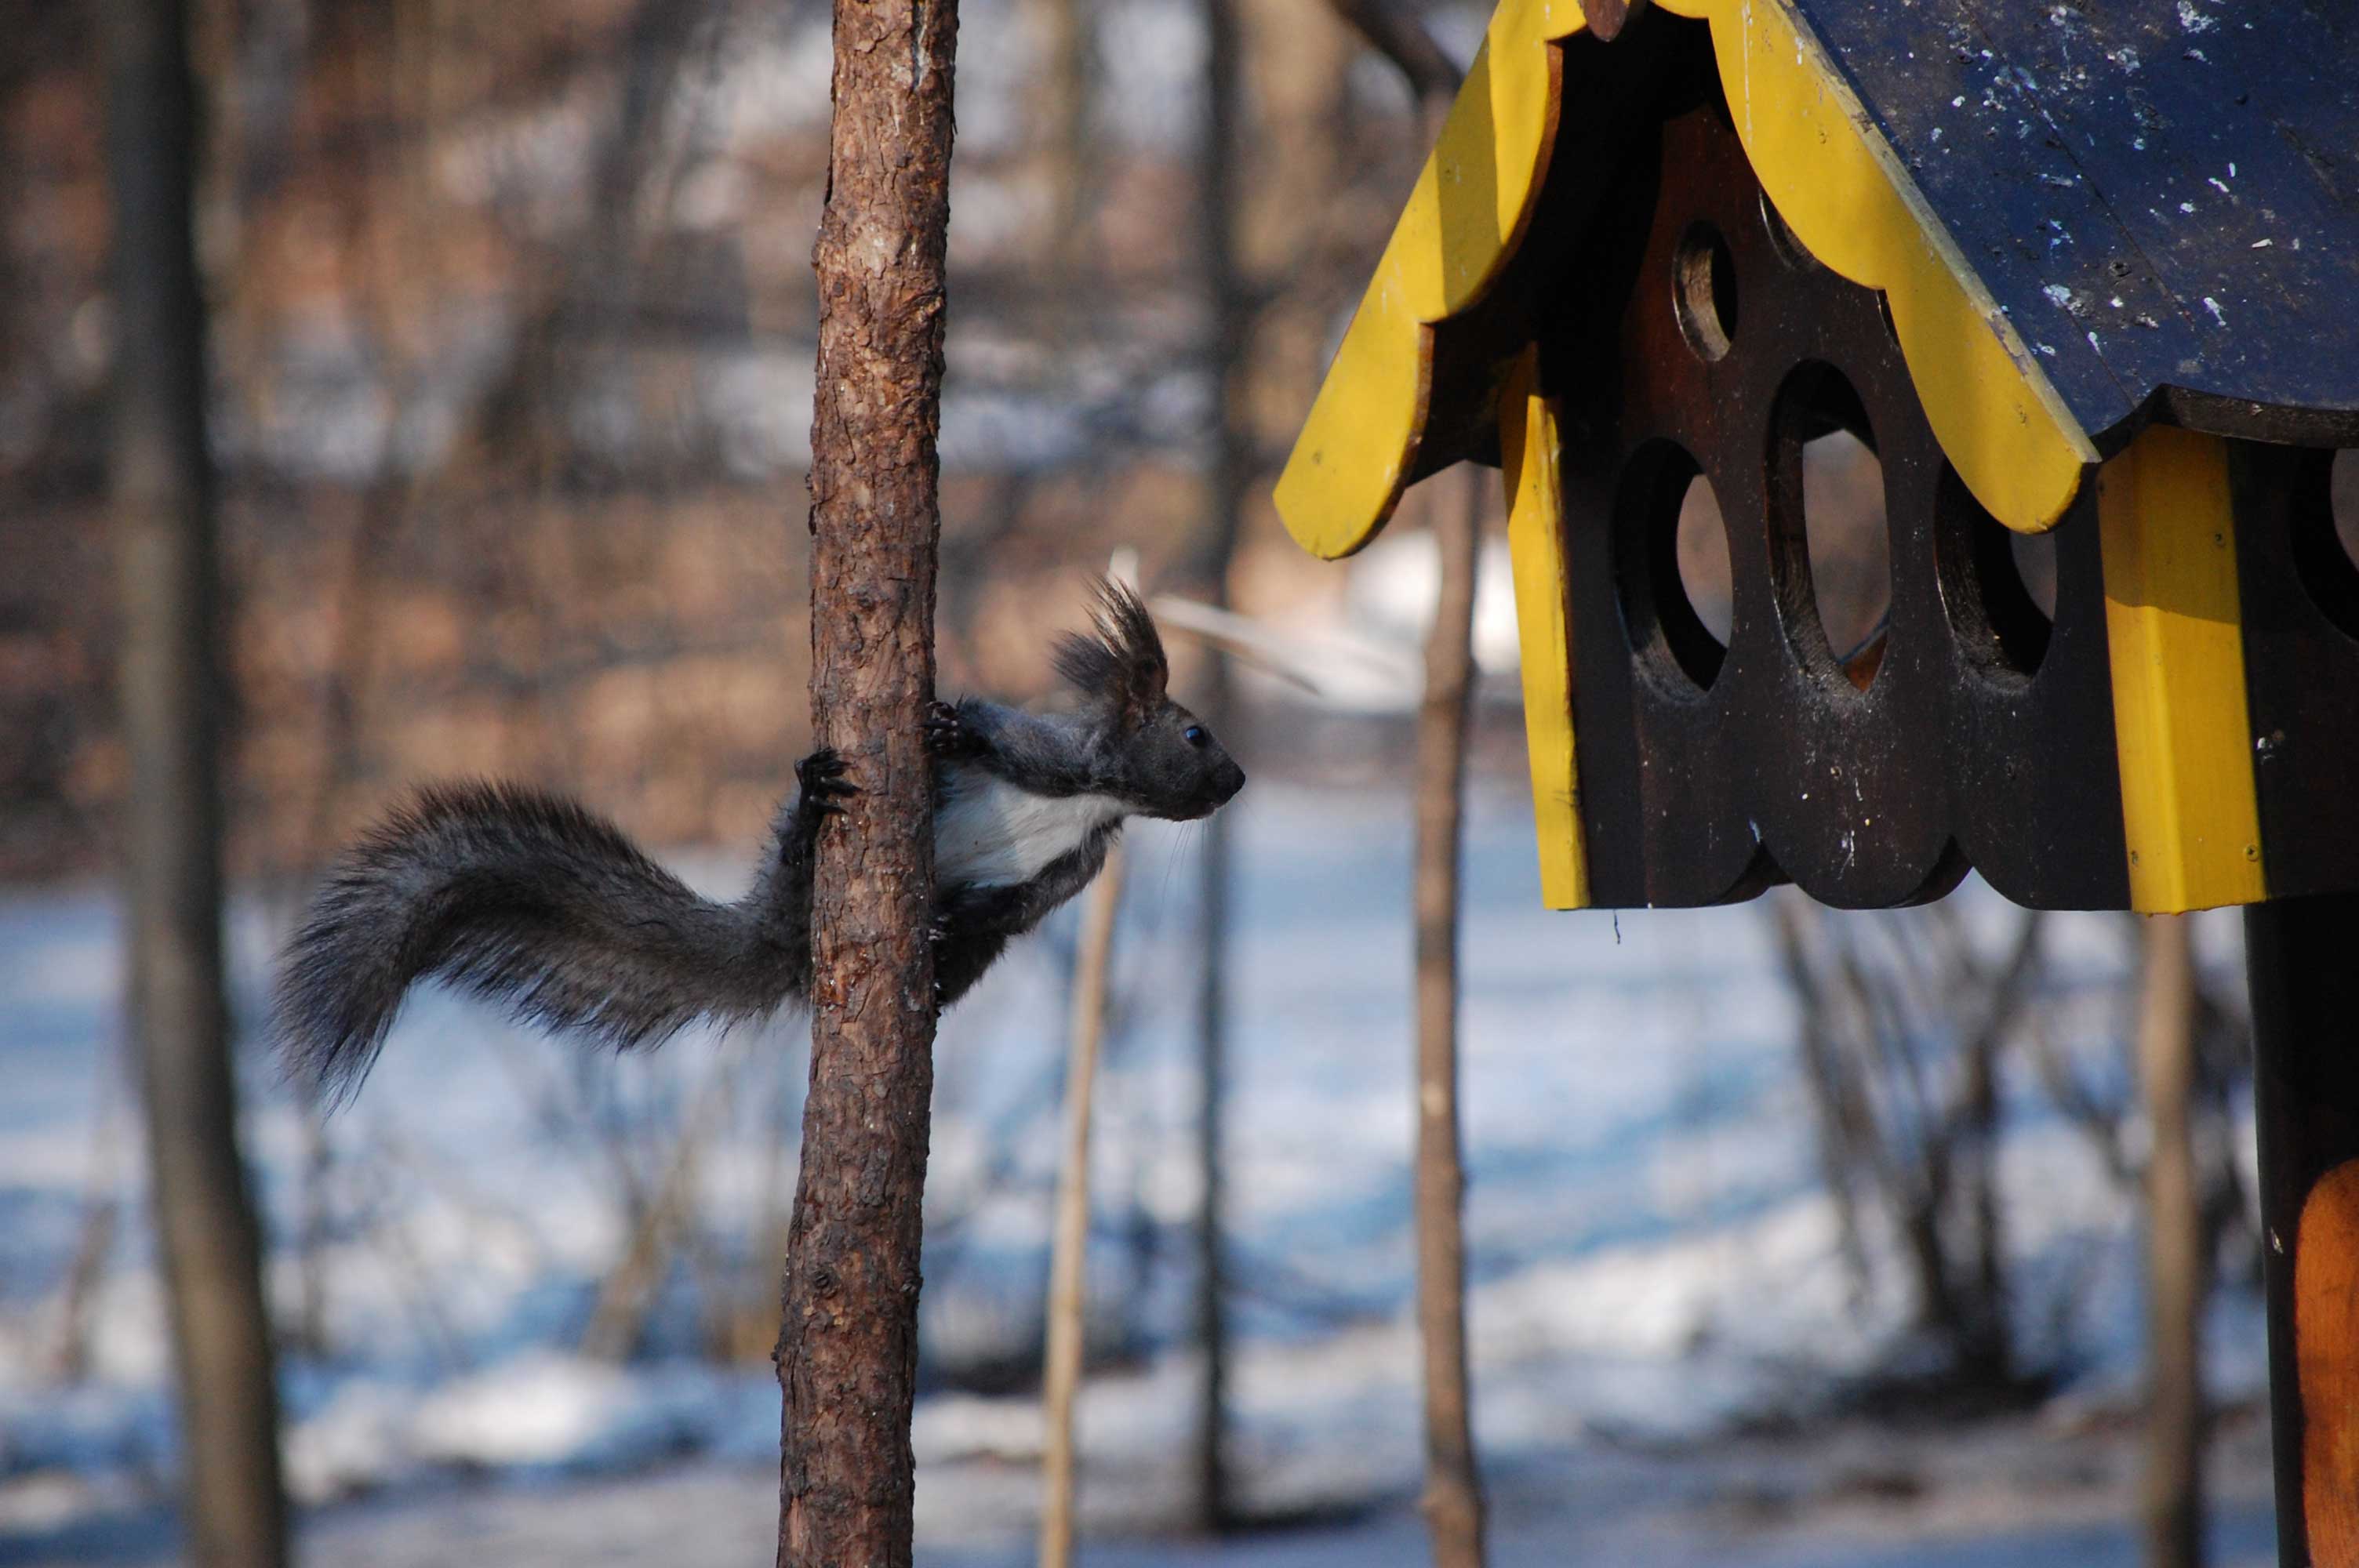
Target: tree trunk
(1230,319)
(1454,1483)
(162,495)
(1834,1098)
(2177,1273)
(848,1344)
(1068,1273)
(1454,1491)
(1063,105)
(1214,1512)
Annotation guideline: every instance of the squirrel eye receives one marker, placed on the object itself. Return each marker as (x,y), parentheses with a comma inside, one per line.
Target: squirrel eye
(1194,734)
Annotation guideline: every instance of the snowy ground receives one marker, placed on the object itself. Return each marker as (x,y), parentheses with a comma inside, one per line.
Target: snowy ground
(2045,1494)
(1654,1268)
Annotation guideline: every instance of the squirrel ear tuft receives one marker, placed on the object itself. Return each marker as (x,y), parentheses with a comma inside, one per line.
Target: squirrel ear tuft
(1121,661)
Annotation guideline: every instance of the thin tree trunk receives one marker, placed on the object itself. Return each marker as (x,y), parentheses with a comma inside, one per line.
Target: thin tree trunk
(161,486)
(1068,1275)
(2176,1271)
(1454,1484)
(1213,1510)
(1833,1098)
(308,1334)
(1229,315)
(664,1225)
(1062,101)
(1454,1488)
(848,1344)
(102,1216)
(85,1268)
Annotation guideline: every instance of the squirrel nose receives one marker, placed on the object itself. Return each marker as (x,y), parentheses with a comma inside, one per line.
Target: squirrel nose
(1231,779)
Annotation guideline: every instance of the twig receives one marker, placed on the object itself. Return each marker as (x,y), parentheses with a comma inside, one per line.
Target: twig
(1067,1270)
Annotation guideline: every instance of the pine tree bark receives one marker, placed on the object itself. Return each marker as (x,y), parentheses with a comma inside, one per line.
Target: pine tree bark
(1454,1491)
(161,496)
(848,1342)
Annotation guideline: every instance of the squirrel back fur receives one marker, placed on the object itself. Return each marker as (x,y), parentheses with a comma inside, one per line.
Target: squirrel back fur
(532,901)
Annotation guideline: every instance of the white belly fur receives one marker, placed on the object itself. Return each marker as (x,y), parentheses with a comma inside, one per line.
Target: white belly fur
(989,833)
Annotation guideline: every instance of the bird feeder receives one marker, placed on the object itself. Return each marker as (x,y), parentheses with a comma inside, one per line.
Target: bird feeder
(2092,274)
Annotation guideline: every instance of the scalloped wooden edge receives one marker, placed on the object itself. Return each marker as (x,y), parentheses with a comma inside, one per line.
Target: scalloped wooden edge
(1462,222)
(1833,178)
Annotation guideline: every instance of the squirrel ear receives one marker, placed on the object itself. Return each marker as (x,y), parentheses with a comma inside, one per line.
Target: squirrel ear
(1124,662)
(1143,692)
(1125,625)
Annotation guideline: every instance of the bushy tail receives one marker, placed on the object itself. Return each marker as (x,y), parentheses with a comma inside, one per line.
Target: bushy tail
(522,898)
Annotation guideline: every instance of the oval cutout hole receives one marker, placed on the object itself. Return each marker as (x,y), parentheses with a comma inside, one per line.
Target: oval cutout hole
(1783,241)
(2034,567)
(1998,586)
(1705,291)
(1670,539)
(2342,499)
(1704,571)
(2326,537)
(1832,553)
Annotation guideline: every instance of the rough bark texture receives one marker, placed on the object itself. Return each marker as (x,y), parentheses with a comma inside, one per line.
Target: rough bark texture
(1453,1492)
(848,1344)
(1068,1271)
(2175,1275)
(1230,318)
(162,495)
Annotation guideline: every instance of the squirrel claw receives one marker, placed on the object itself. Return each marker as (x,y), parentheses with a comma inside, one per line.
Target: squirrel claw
(948,733)
(821,776)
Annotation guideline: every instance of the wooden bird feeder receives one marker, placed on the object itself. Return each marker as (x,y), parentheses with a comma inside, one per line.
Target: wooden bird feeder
(2088,272)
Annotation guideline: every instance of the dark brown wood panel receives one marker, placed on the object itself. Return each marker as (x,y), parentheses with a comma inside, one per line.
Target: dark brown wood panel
(1708,774)
(2300,596)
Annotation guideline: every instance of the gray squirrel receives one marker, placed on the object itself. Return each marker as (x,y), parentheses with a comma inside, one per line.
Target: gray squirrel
(530,899)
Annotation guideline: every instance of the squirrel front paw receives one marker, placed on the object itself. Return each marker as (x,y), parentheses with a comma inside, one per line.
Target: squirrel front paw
(948,735)
(821,776)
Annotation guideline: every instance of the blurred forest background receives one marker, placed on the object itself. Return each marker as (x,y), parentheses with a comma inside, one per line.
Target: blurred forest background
(513,328)
(512,324)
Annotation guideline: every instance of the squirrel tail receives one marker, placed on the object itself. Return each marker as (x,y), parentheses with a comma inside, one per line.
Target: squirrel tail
(527,898)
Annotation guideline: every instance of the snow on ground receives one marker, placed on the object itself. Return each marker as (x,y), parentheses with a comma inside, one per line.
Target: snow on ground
(1653,1262)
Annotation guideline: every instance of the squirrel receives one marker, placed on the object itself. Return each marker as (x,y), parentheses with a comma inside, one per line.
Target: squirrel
(531,900)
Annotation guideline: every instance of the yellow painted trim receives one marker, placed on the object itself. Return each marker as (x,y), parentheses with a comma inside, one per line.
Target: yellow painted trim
(1531,451)
(1462,223)
(1833,178)
(2173,624)
(1846,196)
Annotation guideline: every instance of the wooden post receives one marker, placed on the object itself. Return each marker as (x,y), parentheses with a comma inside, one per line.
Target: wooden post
(1453,1490)
(2176,1268)
(1067,1272)
(2305,993)
(848,1342)
(160,481)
